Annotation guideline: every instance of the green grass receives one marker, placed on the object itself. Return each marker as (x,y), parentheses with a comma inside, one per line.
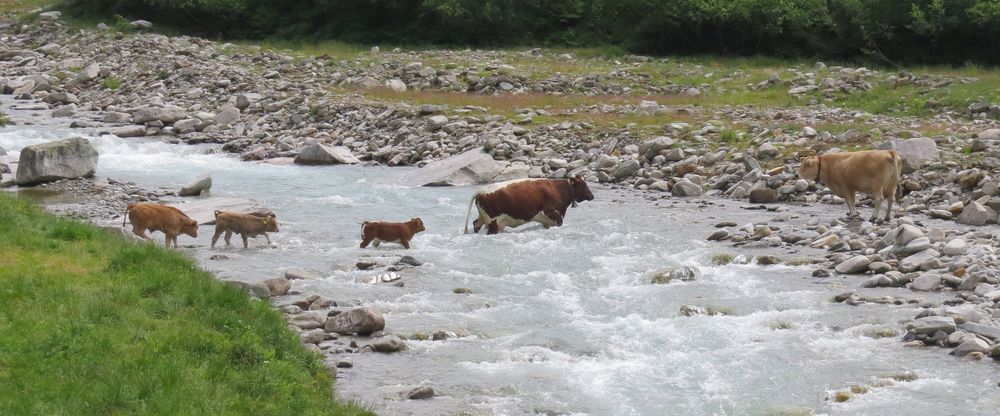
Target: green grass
(3,119)
(21,6)
(112,83)
(91,324)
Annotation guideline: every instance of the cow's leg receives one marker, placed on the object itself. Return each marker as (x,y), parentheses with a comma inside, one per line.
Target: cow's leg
(245,242)
(889,195)
(877,201)
(405,243)
(555,218)
(171,237)
(852,211)
(218,232)
(492,228)
(477,224)
(365,242)
(141,232)
(229,235)
(267,238)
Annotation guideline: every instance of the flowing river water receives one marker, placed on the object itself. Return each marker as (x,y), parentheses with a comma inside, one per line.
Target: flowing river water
(564,321)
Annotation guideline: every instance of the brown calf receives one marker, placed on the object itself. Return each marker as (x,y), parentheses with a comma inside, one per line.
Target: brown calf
(155,217)
(399,232)
(246,225)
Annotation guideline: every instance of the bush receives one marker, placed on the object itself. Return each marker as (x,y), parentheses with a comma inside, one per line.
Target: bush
(889,30)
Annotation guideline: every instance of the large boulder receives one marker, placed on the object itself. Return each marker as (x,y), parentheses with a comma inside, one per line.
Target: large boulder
(914,152)
(63,159)
(319,154)
(469,168)
(685,187)
(625,169)
(197,187)
(913,262)
(931,324)
(853,265)
(977,214)
(362,321)
(651,148)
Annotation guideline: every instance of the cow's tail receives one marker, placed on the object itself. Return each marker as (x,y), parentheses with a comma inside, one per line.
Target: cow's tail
(125,215)
(469,213)
(897,163)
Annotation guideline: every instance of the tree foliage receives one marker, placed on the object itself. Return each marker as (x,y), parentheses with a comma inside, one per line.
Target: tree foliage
(896,30)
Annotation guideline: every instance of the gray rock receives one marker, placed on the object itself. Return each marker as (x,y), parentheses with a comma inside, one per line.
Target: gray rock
(197,187)
(651,148)
(127,131)
(917,245)
(116,117)
(914,152)
(971,344)
(435,123)
(227,117)
(319,154)
(420,393)
(257,290)
(141,24)
(246,99)
(767,151)
(879,267)
(977,214)
(387,344)
(362,321)
(927,281)
(63,159)
(188,125)
(906,233)
(764,196)
(62,97)
(989,134)
(166,115)
(913,262)
(987,331)
(853,265)
(931,324)
(661,186)
(278,286)
(955,247)
(89,73)
(65,111)
(625,169)
(396,85)
(802,90)
(469,168)
(685,187)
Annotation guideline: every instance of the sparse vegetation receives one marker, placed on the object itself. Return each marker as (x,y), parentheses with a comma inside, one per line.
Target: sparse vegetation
(781,325)
(93,324)
(722,259)
(112,83)
(3,119)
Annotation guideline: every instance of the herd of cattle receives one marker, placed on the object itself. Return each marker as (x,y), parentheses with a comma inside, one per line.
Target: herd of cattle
(545,201)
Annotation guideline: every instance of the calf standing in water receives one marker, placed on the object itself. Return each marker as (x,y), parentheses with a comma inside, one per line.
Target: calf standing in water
(155,217)
(399,232)
(246,225)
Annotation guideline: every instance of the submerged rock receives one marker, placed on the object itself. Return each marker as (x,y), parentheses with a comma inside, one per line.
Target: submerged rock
(362,321)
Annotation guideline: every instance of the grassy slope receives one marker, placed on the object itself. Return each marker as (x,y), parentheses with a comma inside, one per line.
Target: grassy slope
(93,324)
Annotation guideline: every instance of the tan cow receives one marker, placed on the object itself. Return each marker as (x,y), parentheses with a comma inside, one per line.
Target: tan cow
(155,217)
(399,232)
(874,172)
(246,225)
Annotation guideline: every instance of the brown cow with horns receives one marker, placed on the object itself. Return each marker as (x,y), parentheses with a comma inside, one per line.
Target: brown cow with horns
(517,202)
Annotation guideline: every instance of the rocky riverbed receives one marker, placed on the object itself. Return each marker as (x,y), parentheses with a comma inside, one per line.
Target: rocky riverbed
(263,105)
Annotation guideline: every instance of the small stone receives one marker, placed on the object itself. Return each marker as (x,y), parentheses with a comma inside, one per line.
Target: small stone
(420,393)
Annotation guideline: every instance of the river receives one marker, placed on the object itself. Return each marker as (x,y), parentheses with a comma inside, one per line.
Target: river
(565,321)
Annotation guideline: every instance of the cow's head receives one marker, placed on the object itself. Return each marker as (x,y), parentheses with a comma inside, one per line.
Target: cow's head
(270,223)
(579,189)
(416,224)
(189,227)
(809,169)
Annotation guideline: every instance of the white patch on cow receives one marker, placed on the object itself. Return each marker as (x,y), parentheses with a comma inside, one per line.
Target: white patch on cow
(504,220)
(493,187)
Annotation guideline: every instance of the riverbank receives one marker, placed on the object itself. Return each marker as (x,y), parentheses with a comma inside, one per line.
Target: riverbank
(136,329)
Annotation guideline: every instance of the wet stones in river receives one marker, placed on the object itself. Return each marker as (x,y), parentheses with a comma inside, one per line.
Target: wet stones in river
(684,274)
(853,265)
(257,290)
(932,324)
(916,261)
(970,345)
(278,286)
(420,393)
(926,282)
(319,154)
(386,344)
(197,187)
(362,321)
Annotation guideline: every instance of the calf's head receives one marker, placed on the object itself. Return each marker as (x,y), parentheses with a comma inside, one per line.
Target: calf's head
(416,224)
(809,169)
(189,227)
(270,223)
(580,190)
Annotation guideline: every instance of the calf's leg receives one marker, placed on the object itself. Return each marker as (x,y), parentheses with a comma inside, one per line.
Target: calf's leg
(890,195)
(267,238)
(218,232)
(852,211)
(405,243)
(245,243)
(141,232)
(877,200)
(229,234)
